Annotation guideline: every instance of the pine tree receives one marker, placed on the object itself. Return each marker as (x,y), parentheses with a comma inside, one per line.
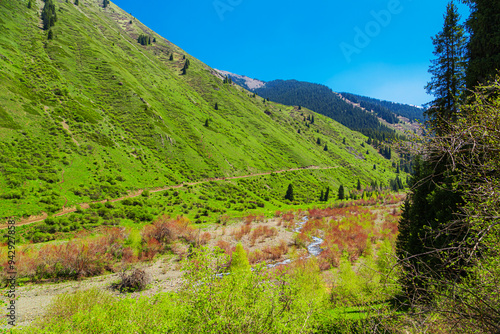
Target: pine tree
(216,107)
(341,194)
(50,35)
(325,148)
(343,141)
(312,119)
(318,141)
(171,56)
(77,2)
(105,3)
(321,196)
(206,123)
(30,4)
(183,71)
(448,71)
(154,39)
(300,108)
(327,194)
(289,193)
(358,187)
(298,130)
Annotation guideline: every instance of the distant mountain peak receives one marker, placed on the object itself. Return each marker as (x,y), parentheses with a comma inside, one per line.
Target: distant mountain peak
(243,81)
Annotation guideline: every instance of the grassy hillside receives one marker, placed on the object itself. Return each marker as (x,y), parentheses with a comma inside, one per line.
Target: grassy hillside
(92,114)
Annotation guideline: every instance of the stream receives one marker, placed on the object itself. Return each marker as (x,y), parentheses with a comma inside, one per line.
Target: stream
(313,248)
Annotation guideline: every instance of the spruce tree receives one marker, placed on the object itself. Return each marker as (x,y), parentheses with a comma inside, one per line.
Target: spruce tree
(216,107)
(105,3)
(325,148)
(358,187)
(483,48)
(30,4)
(327,194)
(289,193)
(50,35)
(206,123)
(77,2)
(448,71)
(322,196)
(318,141)
(49,16)
(341,194)
(172,56)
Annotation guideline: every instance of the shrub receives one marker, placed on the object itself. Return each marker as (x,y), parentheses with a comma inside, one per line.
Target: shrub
(137,280)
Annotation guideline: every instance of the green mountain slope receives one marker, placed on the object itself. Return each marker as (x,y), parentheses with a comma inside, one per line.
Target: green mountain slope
(92,114)
(384,108)
(323,100)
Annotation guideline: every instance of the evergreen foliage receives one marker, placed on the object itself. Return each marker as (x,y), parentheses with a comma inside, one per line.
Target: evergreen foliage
(325,148)
(289,193)
(144,39)
(77,2)
(358,186)
(49,16)
(105,3)
(341,194)
(483,49)
(448,70)
(171,56)
(216,107)
(323,100)
(50,35)
(383,109)
(30,4)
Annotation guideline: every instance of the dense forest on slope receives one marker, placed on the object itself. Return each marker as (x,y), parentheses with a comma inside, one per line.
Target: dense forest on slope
(387,110)
(89,111)
(323,100)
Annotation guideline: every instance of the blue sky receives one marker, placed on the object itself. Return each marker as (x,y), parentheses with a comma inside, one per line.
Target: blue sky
(377,48)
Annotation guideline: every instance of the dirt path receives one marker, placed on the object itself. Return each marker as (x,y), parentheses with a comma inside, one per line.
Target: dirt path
(65,210)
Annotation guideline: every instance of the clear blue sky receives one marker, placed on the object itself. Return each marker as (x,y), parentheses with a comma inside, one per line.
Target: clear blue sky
(377,48)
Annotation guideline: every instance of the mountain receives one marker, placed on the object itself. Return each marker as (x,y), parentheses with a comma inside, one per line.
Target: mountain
(381,107)
(100,105)
(242,80)
(324,101)
(359,113)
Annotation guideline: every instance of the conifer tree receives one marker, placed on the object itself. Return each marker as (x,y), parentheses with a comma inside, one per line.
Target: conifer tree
(172,56)
(50,35)
(49,16)
(30,4)
(318,141)
(343,141)
(341,194)
(289,193)
(325,148)
(358,187)
(77,2)
(483,48)
(105,3)
(206,123)
(216,107)
(322,196)
(448,71)
(327,194)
